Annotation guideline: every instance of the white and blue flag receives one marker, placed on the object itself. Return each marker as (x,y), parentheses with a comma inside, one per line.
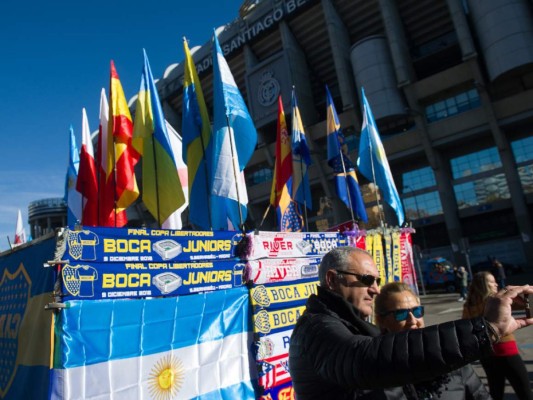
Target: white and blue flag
(233,143)
(187,347)
(73,198)
(372,161)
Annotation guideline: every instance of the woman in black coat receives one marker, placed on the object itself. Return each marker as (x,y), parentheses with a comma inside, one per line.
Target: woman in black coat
(398,309)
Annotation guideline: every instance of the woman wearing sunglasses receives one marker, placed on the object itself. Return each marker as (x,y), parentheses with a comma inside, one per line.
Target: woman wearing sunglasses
(398,309)
(506,361)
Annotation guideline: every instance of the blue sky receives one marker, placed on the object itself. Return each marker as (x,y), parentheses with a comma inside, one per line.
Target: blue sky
(55,60)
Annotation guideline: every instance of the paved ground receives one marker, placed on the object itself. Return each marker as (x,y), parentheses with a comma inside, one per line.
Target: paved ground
(442,307)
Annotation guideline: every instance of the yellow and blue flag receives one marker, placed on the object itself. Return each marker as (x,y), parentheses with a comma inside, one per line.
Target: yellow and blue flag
(162,191)
(233,143)
(301,159)
(196,134)
(345,178)
(372,161)
(288,215)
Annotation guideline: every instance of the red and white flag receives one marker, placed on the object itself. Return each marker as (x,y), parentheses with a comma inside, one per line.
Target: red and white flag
(87,183)
(20,233)
(104,164)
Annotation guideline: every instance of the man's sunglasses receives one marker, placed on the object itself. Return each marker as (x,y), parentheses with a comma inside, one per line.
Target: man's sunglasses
(403,313)
(367,280)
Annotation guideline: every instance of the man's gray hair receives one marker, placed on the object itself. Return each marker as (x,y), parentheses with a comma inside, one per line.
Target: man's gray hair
(338,258)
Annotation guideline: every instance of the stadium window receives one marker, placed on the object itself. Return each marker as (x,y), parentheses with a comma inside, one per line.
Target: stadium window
(481,191)
(523,149)
(451,106)
(475,163)
(523,153)
(418,179)
(419,194)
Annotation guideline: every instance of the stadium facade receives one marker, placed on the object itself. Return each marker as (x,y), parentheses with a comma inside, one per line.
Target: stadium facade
(450,83)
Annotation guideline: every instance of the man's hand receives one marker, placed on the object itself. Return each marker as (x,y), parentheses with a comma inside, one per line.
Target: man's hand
(498,309)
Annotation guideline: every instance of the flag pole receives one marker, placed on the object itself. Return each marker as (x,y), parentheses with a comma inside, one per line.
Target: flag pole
(98,163)
(346,182)
(156,183)
(305,215)
(111,118)
(206,181)
(83,187)
(265,215)
(305,199)
(380,212)
(232,145)
(114,181)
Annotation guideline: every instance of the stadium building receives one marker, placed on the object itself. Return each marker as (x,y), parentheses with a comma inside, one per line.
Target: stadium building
(45,215)
(450,83)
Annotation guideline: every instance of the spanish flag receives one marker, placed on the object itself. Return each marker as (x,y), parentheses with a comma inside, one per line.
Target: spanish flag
(125,153)
(289,219)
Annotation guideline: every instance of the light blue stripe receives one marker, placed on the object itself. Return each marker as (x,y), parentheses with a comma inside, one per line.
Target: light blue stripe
(242,390)
(91,332)
(229,110)
(372,161)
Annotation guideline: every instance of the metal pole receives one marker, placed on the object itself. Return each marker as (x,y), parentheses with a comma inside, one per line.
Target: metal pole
(421,277)
(418,216)
(466,250)
(159,222)
(346,183)
(306,226)
(235,173)
(380,211)
(204,162)
(305,200)
(467,257)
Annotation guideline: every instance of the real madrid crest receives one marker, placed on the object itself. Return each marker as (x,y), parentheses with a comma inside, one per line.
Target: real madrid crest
(269,89)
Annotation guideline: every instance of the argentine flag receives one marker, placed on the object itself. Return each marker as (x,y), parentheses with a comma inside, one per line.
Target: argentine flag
(187,347)
(233,143)
(373,163)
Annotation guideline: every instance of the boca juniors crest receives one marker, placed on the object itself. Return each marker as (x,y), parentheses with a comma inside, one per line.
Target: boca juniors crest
(15,292)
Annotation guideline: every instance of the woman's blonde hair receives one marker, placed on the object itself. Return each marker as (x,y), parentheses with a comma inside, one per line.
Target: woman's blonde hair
(386,291)
(479,289)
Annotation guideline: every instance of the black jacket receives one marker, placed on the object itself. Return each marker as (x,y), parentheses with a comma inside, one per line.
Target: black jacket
(461,384)
(335,354)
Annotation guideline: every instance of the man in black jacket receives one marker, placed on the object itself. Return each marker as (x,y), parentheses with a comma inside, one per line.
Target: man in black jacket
(335,354)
